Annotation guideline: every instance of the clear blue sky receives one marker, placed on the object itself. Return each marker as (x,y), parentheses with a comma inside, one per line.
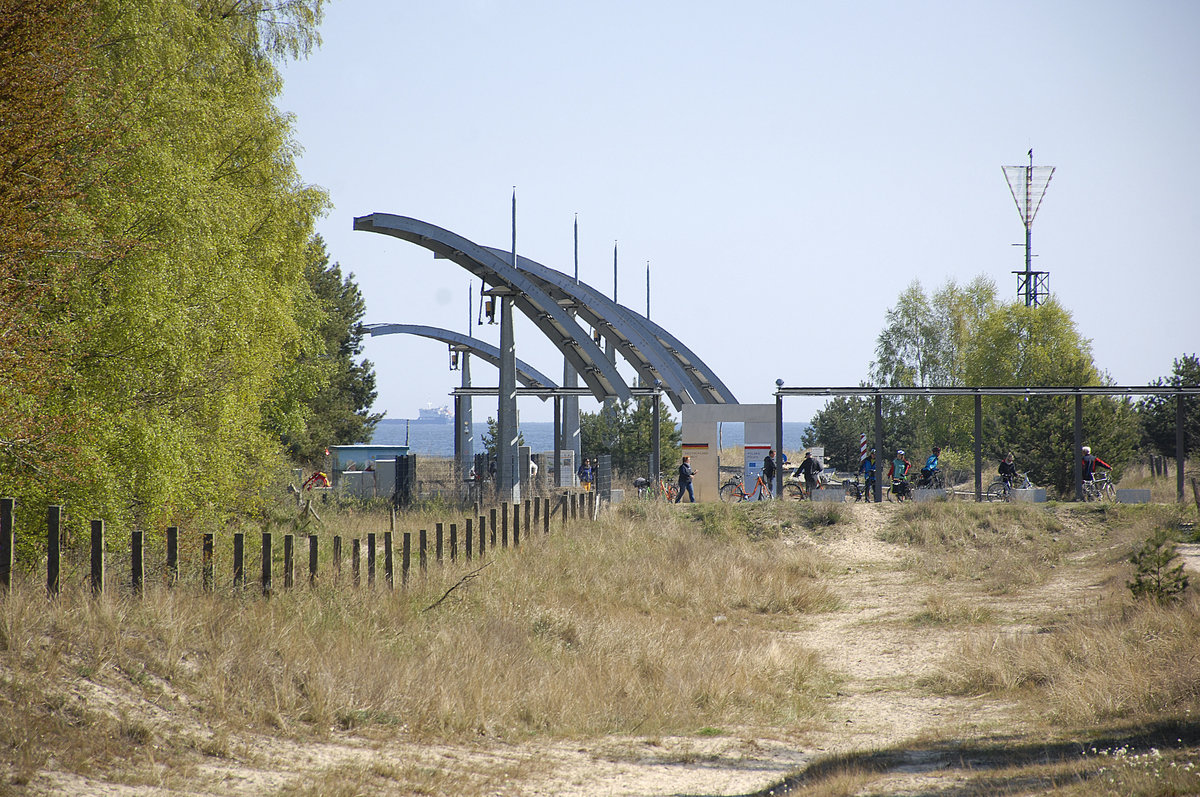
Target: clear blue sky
(786,168)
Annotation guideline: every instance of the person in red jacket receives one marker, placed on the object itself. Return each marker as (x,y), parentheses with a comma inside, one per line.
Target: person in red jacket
(1090,461)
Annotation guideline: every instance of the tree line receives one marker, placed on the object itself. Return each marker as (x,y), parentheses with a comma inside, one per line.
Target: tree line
(963,335)
(172,328)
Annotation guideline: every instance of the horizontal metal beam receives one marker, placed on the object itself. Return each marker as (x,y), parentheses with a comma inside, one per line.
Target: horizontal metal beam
(547,392)
(1088,390)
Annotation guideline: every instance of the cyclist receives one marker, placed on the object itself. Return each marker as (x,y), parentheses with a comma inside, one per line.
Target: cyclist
(930,469)
(1090,461)
(768,474)
(1008,471)
(867,468)
(810,469)
(898,473)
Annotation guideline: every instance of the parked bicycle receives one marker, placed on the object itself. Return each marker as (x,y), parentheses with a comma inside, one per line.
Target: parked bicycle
(1001,490)
(901,489)
(932,481)
(854,489)
(734,490)
(1099,489)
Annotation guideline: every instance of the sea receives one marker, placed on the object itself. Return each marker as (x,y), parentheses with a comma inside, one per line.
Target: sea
(437,439)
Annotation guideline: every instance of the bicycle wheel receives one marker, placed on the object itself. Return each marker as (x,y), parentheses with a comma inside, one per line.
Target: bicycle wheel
(853,490)
(728,492)
(793,491)
(1108,492)
(672,492)
(996,492)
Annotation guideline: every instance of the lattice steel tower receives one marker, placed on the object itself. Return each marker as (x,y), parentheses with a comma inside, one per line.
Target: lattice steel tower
(1028,186)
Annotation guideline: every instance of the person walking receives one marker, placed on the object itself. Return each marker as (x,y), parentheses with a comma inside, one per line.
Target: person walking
(768,474)
(868,471)
(810,468)
(685,480)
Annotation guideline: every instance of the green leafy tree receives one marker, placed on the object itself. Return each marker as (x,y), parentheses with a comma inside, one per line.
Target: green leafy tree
(327,396)
(1158,413)
(625,431)
(492,434)
(1019,345)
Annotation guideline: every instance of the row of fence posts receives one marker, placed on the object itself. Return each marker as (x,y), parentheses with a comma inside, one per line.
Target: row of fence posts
(477,540)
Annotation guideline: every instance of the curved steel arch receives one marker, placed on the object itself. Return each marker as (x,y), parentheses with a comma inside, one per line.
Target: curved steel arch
(528,375)
(705,386)
(584,355)
(641,349)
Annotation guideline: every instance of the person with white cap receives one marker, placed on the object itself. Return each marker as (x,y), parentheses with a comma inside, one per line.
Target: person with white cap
(1090,461)
(898,473)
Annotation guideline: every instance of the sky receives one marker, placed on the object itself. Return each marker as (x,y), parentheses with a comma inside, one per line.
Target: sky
(783,169)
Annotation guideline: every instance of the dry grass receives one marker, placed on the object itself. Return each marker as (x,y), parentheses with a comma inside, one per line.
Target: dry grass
(638,623)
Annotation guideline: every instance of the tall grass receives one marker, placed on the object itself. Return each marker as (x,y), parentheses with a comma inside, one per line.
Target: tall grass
(635,623)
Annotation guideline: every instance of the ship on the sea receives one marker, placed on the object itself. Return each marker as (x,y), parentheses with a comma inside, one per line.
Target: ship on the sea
(432,414)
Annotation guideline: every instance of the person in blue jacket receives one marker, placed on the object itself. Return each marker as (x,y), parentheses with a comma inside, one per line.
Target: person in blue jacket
(868,471)
(931,466)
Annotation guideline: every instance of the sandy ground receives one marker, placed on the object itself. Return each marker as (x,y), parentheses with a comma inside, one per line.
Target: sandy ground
(878,706)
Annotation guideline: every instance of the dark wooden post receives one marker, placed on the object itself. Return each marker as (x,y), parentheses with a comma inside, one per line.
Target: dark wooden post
(516,525)
(978,448)
(439,534)
(239,560)
(53,547)
(1180,453)
(493,529)
(1078,470)
(537,510)
(289,561)
(504,525)
(266,563)
(137,565)
(546,517)
(313,541)
(453,542)
(470,533)
(206,561)
(482,536)
(405,559)
(526,516)
(565,499)
(422,551)
(97,557)
(371,559)
(355,556)
(337,557)
(6,542)
(591,506)
(387,560)
(172,555)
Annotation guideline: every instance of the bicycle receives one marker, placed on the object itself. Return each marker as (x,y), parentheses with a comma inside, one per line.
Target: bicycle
(901,488)
(666,490)
(1001,489)
(733,490)
(854,489)
(1099,489)
(933,481)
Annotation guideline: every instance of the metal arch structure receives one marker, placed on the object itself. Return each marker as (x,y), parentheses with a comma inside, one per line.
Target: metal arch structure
(637,343)
(580,351)
(528,375)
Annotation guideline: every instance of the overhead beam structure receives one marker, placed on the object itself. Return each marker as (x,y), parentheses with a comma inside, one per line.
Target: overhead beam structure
(1079,392)
(581,352)
(526,374)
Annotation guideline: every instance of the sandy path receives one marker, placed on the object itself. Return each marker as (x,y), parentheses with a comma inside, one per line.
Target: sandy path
(878,705)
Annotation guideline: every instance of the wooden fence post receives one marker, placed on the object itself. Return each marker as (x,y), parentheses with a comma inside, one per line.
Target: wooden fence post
(470,532)
(371,559)
(137,564)
(439,531)
(527,502)
(453,542)
(575,506)
(97,575)
(537,510)
(172,555)
(504,525)
(355,555)
(387,560)
(289,561)
(516,525)
(266,564)
(53,547)
(6,542)
(482,537)
(565,500)
(422,551)
(239,560)
(206,561)
(493,529)
(546,517)
(313,541)
(337,557)
(405,559)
